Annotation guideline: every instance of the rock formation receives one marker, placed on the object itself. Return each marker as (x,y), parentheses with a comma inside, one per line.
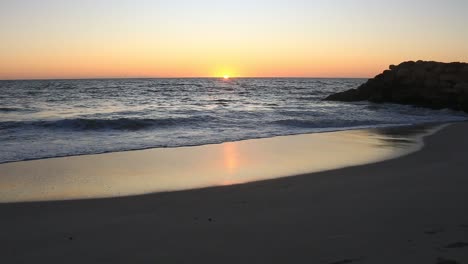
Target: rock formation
(423,83)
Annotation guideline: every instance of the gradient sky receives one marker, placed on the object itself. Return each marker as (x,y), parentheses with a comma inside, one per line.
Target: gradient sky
(182,38)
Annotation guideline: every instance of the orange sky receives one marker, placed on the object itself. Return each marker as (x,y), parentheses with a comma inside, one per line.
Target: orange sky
(98,39)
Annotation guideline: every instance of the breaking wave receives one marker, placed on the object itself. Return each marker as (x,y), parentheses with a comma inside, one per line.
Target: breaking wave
(83,124)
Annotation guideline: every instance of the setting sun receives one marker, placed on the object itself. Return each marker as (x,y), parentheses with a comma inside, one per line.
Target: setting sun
(225,77)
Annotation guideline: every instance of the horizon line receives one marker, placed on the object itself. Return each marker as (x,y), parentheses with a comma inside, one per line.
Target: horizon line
(219,77)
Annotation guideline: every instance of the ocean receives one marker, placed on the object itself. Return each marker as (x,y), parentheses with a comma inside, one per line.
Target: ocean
(52,118)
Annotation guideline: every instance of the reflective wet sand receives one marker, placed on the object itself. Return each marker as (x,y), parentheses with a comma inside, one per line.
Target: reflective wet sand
(158,170)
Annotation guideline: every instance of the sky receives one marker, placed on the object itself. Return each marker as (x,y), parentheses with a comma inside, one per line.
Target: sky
(43,39)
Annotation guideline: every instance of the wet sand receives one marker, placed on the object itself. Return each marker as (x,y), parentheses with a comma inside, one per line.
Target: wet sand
(411,209)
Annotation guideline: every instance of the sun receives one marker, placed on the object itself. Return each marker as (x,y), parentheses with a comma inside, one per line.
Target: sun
(226,77)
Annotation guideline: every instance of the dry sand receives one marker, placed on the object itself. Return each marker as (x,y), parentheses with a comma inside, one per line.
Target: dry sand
(412,209)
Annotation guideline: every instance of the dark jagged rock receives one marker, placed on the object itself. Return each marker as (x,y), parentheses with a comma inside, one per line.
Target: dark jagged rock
(423,83)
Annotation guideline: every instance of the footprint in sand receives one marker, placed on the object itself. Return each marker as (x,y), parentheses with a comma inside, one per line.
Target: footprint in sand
(434,231)
(446,261)
(457,245)
(345,261)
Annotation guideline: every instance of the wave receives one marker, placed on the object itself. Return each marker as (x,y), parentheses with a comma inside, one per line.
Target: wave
(299,123)
(13,109)
(129,124)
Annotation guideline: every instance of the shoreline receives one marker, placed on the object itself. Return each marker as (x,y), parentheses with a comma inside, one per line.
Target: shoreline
(438,123)
(411,209)
(156,170)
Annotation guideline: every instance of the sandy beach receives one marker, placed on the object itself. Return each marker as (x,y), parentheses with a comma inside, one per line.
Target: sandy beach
(411,209)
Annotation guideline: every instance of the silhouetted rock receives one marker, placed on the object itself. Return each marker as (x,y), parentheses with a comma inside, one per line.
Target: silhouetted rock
(422,83)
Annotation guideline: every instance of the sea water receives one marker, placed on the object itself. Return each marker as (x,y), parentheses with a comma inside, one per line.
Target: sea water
(52,118)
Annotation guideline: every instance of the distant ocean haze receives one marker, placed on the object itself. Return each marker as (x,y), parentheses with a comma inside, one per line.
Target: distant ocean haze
(50,118)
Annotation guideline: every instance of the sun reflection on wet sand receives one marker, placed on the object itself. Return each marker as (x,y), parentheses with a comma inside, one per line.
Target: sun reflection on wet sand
(155,170)
(231,157)
(231,162)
